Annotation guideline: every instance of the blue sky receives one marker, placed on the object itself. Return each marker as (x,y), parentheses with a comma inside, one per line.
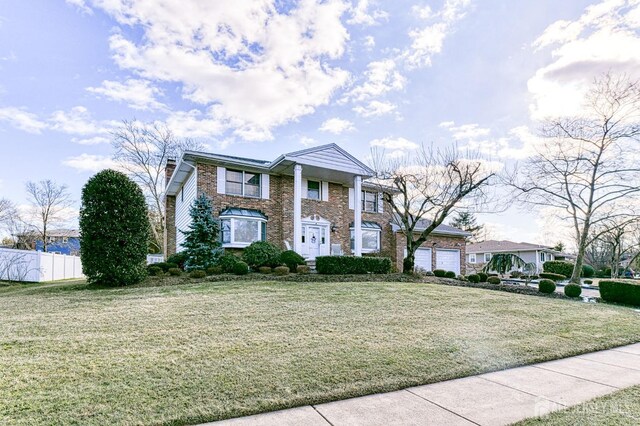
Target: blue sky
(261,78)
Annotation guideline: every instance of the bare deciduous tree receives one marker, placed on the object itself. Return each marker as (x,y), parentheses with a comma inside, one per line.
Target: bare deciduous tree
(428,184)
(586,164)
(621,240)
(49,202)
(142,150)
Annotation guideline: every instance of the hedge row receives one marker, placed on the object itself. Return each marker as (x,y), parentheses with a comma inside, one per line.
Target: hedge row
(620,292)
(552,276)
(353,265)
(558,267)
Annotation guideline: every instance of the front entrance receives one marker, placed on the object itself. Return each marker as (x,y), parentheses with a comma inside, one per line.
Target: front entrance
(314,241)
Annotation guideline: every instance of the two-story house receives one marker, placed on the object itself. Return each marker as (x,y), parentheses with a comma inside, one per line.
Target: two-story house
(316,201)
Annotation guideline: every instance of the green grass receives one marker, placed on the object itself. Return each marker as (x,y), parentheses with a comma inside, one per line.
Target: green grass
(618,408)
(204,351)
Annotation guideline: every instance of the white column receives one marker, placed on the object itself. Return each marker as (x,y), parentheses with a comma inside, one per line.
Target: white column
(357,216)
(297,208)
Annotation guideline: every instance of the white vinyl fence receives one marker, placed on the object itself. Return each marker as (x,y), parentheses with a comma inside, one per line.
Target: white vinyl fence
(154,258)
(35,266)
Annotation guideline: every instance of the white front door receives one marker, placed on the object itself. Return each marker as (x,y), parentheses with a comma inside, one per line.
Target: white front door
(313,241)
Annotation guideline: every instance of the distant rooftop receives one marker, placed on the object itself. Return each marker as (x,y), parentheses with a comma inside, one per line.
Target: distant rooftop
(492,246)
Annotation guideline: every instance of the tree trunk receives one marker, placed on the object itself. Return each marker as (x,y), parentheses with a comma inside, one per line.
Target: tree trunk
(577,269)
(408,263)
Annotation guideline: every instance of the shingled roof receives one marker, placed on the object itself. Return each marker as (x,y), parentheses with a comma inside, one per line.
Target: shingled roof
(494,246)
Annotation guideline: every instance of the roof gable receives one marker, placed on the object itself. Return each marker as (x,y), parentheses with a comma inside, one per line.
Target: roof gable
(330,156)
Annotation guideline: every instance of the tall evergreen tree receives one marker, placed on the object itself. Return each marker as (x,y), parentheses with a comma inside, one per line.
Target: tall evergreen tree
(202,242)
(466,221)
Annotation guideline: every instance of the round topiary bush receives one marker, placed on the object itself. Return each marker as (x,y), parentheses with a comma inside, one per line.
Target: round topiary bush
(197,273)
(546,286)
(483,277)
(429,274)
(440,273)
(572,290)
(303,269)
(473,278)
(264,269)
(588,271)
(114,227)
(449,274)
(461,278)
(291,259)
(493,280)
(154,271)
(281,270)
(240,268)
(552,276)
(177,259)
(214,270)
(227,261)
(588,282)
(261,253)
(176,272)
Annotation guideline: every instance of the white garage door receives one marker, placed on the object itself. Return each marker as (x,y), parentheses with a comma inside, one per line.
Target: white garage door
(449,260)
(423,259)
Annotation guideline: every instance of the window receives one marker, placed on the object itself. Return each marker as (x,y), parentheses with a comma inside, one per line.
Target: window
(541,256)
(472,258)
(65,240)
(241,232)
(487,257)
(313,190)
(369,201)
(243,183)
(370,240)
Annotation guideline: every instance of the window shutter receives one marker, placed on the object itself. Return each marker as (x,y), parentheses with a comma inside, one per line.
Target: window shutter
(221,175)
(305,188)
(351,198)
(265,186)
(380,202)
(325,191)
(263,231)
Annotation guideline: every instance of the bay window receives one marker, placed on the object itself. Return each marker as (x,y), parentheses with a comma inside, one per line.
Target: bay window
(241,227)
(370,237)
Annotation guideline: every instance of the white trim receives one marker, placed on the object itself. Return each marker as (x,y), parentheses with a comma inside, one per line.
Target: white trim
(357,216)
(364,250)
(472,258)
(325,191)
(485,257)
(351,198)
(232,221)
(264,186)
(305,188)
(221,179)
(297,208)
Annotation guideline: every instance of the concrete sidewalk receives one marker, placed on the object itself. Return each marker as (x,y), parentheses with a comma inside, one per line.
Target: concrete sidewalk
(496,398)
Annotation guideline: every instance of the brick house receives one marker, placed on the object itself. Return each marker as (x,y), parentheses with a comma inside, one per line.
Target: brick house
(316,201)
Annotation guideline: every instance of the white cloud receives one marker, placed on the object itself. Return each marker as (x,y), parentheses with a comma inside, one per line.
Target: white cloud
(394,144)
(307,141)
(194,124)
(94,140)
(422,12)
(468,131)
(90,163)
(381,77)
(21,119)
(360,14)
(518,144)
(429,40)
(604,38)
(447,124)
(375,108)
(76,121)
(260,65)
(81,5)
(138,94)
(369,42)
(336,126)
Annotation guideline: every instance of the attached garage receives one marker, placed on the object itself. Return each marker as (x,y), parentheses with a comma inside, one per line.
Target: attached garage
(449,260)
(423,258)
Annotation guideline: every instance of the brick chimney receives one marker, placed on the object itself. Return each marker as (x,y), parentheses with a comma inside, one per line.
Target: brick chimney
(169,169)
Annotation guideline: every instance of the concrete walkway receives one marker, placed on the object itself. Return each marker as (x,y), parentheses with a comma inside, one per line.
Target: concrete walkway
(498,398)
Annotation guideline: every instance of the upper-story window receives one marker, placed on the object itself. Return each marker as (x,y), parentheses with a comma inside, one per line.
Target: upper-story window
(369,201)
(243,183)
(313,189)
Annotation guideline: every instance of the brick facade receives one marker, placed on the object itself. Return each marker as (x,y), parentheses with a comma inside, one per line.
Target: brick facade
(279,211)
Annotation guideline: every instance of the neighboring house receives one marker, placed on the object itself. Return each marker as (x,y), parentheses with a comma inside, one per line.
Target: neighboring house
(59,241)
(479,254)
(315,201)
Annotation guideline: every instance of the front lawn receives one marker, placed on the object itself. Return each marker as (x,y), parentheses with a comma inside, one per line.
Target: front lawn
(205,351)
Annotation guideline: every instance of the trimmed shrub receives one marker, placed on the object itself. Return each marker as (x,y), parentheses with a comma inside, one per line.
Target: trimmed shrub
(473,278)
(114,227)
(572,290)
(494,280)
(515,274)
(483,277)
(261,253)
(429,274)
(227,261)
(440,273)
(197,273)
(214,270)
(558,267)
(449,274)
(176,272)
(461,278)
(627,293)
(154,271)
(291,259)
(588,282)
(281,270)
(241,268)
(546,286)
(177,259)
(264,269)
(552,276)
(303,269)
(588,271)
(352,265)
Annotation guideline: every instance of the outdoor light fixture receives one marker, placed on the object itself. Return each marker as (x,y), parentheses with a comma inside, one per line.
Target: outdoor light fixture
(333,228)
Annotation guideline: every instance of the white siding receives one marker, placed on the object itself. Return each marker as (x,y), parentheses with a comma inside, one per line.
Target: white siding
(330,158)
(184,199)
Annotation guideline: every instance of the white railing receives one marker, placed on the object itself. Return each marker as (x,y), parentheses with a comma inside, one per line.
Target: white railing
(35,266)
